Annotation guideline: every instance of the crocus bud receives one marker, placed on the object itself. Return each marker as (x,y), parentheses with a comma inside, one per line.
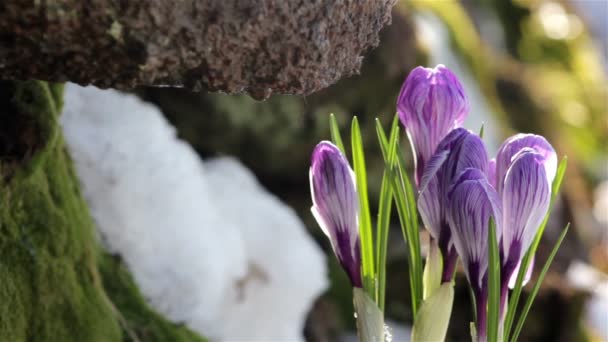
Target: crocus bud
(458,151)
(513,145)
(525,167)
(473,201)
(525,199)
(431,104)
(336,206)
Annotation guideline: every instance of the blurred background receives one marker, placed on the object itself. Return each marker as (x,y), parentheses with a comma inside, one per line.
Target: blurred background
(527,66)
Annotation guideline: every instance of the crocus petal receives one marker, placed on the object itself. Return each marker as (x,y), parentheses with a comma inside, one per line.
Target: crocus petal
(513,145)
(527,276)
(458,151)
(336,205)
(492,172)
(525,201)
(472,202)
(431,103)
(430,204)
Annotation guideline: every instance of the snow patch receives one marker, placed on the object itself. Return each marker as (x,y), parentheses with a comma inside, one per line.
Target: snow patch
(206,244)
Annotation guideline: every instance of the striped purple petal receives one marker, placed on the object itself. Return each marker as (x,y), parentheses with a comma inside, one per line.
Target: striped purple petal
(336,206)
(525,200)
(527,275)
(472,202)
(431,103)
(458,151)
(513,145)
(492,172)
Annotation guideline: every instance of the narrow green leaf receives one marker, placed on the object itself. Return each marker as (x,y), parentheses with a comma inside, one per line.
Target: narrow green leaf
(410,231)
(400,199)
(401,205)
(365,224)
(382,230)
(433,319)
(384,213)
(493,284)
(559,177)
(412,227)
(384,143)
(530,300)
(481,130)
(335,133)
(406,208)
(525,263)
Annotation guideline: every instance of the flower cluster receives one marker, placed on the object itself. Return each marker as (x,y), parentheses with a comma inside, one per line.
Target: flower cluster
(460,189)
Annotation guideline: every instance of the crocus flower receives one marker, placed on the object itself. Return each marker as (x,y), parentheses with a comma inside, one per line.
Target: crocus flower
(458,151)
(336,206)
(525,167)
(431,104)
(473,201)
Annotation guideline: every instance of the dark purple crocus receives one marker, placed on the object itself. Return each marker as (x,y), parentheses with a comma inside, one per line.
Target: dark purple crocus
(431,104)
(458,151)
(473,201)
(336,206)
(524,170)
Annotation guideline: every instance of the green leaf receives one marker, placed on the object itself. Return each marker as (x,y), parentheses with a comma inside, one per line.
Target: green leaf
(493,284)
(385,143)
(406,208)
(530,300)
(412,226)
(481,131)
(525,263)
(384,214)
(365,224)
(335,133)
(370,320)
(431,278)
(559,177)
(382,229)
(433,319)
(400,199)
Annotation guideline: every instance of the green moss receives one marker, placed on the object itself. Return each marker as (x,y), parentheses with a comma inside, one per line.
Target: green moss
(50,285)
(136,318)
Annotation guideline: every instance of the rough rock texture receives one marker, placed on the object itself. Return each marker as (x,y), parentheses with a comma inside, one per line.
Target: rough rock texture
(234,46)
(274,137)
(55,283)
(207,245)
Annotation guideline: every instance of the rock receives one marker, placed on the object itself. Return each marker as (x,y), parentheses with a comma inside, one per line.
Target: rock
(205,243)
(233,46)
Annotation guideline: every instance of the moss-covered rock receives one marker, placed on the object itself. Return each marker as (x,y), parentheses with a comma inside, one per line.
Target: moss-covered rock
(51,288)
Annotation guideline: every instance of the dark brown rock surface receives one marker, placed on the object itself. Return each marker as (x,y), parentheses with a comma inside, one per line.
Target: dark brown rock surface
(235,46)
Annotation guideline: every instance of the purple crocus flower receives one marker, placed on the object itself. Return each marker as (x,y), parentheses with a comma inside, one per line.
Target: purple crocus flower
(458,151)
(336,206)
(473,201)
(431,103)
(525,167)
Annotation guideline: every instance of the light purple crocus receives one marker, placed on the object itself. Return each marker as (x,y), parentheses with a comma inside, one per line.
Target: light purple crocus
(336,206)
(473,201)
(431,103)
(458,151)
(525,168)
